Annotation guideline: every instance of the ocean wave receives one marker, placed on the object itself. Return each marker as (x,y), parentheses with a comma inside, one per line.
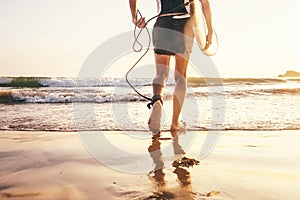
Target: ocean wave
(28,96)
(20,82)
(5,80)
(6,97)
(100,95)
(37,82)
(74,129)
(249,93)
(236,81)
(291,91)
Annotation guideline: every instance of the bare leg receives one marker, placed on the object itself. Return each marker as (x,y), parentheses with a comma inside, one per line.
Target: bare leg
(180,88)
(159,82)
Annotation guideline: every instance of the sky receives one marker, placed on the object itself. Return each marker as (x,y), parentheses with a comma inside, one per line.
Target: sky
(257,38)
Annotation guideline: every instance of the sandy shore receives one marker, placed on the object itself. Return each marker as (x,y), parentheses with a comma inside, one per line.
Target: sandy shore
(243,165)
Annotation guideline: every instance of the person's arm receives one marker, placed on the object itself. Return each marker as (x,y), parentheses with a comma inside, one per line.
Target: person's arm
(208,16)
(133,8)
(132,4)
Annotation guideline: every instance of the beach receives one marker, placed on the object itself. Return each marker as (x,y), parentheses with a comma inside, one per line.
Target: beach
(243,165)
(78,84)
(75,138)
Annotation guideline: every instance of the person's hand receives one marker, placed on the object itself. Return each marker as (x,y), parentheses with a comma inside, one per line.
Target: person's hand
(208,40)
(140,22)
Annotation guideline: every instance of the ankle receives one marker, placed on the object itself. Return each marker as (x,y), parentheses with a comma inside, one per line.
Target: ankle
(174,125)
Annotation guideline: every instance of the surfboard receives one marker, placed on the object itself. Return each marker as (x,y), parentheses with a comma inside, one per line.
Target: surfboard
(200,29)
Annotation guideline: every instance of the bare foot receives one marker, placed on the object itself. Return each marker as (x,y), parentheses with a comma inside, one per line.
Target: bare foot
(176,126)
(155,118)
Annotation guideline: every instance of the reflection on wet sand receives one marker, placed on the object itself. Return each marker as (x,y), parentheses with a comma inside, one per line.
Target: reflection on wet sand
(180,163)
(156,155)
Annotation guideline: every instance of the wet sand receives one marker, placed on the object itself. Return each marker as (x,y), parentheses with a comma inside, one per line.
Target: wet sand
(243,165)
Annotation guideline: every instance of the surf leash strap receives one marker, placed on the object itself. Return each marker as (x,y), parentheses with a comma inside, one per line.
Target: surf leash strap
(155,98)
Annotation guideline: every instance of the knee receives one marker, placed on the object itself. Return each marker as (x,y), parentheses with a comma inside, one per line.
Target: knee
(180,78)
(161,78)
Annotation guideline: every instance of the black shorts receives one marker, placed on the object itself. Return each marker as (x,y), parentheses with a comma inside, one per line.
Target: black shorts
(172,36)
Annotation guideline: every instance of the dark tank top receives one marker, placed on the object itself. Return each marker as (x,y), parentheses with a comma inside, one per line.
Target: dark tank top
(169,5)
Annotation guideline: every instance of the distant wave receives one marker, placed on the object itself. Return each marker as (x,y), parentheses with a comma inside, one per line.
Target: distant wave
(237,81)
(20,82)
(37,82)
